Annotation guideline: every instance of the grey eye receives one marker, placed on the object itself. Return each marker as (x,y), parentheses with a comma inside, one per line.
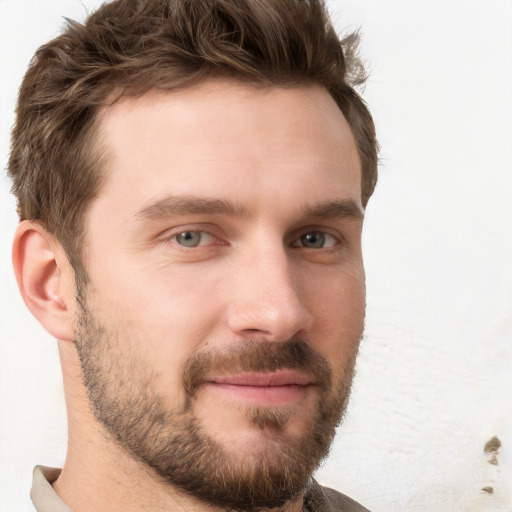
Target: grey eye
(189,238)
(316,240)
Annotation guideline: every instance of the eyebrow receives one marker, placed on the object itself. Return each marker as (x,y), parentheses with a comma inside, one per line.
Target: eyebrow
(192,205)
(341,208)
(189,205)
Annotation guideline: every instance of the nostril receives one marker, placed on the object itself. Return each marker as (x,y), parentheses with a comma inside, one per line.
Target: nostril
(254,331)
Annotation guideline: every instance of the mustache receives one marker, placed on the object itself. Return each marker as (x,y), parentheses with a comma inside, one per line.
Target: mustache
(256,356)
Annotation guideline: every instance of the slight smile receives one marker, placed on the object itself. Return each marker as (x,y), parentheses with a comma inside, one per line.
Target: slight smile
(270,389)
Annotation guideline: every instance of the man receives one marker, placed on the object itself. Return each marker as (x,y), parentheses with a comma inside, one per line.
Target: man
(191,180)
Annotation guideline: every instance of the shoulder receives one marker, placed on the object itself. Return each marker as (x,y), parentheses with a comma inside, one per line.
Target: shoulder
(324,499)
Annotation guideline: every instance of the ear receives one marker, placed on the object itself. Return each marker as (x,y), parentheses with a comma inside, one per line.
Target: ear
(45,279)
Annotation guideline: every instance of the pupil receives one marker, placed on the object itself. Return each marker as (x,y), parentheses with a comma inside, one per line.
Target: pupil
(189,238)
(313,240)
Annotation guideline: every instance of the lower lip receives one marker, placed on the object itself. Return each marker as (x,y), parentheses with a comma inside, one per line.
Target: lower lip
(261,395)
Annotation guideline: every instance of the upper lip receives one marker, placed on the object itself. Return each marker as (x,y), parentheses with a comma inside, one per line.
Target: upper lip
(264,379)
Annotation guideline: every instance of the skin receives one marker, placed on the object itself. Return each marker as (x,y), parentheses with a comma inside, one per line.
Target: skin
(277,157)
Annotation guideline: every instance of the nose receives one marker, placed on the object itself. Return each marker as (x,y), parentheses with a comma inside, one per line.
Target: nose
(267,300)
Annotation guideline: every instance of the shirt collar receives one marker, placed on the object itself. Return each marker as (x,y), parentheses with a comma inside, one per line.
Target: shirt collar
(43,496)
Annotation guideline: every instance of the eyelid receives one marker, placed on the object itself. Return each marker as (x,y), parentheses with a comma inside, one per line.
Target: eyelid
(299,242)
(205,238)
(168,235)
(334,233)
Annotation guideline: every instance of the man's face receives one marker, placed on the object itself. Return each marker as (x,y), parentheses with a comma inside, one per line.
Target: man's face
(225,302)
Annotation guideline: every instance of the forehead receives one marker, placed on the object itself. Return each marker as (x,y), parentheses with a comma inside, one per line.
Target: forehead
(228,139)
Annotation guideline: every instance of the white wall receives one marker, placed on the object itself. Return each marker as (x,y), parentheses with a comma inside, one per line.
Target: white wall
(435,372)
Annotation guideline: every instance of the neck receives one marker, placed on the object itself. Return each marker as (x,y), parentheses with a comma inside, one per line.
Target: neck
(100,476)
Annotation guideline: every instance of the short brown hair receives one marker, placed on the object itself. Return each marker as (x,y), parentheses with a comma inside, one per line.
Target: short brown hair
(129,47)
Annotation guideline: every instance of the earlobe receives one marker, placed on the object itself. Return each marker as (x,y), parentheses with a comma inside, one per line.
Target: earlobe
(43,274)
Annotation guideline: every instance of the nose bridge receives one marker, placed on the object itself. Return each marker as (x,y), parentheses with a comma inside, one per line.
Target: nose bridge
(267,300)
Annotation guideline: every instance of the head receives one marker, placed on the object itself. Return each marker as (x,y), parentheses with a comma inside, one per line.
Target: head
(204,168)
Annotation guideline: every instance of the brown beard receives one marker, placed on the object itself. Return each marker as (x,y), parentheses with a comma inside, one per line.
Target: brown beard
(177,447)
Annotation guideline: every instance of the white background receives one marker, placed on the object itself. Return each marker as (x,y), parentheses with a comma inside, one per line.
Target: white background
(434,377)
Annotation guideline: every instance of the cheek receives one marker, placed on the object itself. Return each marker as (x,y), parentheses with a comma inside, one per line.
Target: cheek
(339,318)
(338,300)
(159,320)
(174,302)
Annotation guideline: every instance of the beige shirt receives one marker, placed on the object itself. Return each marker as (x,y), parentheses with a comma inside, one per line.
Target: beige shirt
(317,499)
(43,496)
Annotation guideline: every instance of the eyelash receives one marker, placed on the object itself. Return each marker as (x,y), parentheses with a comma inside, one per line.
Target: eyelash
(199,231)
(315,234)
(297,242)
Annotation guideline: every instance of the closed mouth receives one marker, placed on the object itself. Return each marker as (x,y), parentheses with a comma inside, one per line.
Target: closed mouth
(268,388)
